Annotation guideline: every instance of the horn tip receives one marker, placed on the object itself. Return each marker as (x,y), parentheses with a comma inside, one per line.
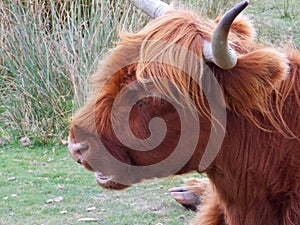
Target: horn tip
(246,2)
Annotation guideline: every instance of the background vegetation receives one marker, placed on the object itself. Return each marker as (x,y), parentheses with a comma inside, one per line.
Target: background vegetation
(49,48)
(47,51)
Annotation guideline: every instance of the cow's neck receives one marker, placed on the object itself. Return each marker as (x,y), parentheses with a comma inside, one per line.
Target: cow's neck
(250,166)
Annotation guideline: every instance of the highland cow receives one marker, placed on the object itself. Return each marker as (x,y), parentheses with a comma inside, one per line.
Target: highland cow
(176,78)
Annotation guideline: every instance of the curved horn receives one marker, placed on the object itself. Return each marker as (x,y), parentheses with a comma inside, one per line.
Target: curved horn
(153,8)
(218,51)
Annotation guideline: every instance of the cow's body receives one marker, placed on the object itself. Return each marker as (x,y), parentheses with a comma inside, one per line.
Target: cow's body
(255,176)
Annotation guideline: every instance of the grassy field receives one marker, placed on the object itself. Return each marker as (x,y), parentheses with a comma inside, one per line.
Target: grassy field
(41,184)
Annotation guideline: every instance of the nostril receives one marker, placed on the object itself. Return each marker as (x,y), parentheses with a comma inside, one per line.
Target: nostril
(79,161)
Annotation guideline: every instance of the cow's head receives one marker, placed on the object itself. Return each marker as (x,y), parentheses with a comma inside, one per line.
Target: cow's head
(160,94)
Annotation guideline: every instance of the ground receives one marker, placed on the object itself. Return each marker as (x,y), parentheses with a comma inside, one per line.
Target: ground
(43,185)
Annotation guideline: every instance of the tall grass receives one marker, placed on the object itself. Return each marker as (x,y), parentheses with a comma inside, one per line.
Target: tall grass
(46,52)
(207,8)
(49,48)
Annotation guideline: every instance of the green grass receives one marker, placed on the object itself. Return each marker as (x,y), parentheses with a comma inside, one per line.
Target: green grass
(276,21)
(44,173)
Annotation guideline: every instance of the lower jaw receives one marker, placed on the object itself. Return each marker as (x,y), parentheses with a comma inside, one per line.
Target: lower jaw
(102,179)
(108,183)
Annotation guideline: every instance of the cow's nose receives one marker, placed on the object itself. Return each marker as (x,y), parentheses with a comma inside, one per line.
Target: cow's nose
(76,149)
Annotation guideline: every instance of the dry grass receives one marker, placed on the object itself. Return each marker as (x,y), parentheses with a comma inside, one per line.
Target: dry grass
(49,48)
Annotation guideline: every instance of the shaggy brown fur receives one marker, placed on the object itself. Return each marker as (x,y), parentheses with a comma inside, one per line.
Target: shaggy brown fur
(256,175)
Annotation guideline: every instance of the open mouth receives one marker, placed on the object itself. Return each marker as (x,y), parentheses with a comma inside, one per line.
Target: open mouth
(101,178)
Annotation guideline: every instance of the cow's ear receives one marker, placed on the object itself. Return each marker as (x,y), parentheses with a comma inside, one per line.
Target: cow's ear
(257,74)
